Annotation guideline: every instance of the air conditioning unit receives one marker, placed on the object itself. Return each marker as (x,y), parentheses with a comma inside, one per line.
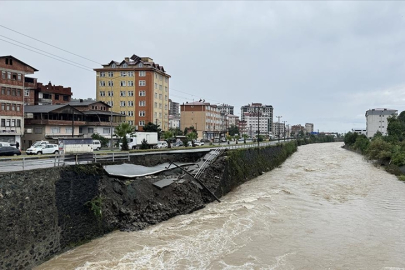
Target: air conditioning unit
(28,130)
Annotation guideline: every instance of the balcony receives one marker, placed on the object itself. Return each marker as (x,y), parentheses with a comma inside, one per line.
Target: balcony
(53,122)
(45,101)
(10,130)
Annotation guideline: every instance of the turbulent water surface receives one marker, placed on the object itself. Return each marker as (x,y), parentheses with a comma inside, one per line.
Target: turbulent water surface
(324,208)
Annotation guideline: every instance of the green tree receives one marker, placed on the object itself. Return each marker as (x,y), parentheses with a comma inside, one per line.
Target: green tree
(237,137)
(362,143)
(233,130)
(167,136)
(379,150)
(191,136)
(176,131)
(122,131)
(350,138)
(395,128)
(150,127)
(245,136)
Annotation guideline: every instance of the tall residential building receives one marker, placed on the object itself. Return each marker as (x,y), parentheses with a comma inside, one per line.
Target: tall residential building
(174,108)
(249,113)
(279,129)
(266,112)
(12,95)
(309,127)
(136,87)
(45,94)
(377,120)
(204,117)
(225,108)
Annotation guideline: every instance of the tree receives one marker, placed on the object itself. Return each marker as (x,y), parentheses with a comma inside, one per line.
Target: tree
(122,131)
(379,150)
(150,127)
(233,130)
(167,135)
(237,137)
(190,129)
(395,128)
(191,135)
(350,138)
(176,131)
(245,136)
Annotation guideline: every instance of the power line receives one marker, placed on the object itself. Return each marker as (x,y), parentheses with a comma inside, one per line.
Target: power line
(46,52)
(46,55)
(49,44)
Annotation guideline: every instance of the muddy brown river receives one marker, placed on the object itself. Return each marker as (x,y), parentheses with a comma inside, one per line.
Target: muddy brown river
(324,208)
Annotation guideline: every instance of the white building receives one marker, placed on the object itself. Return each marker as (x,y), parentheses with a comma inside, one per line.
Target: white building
(278,130)
(360,131)
(376,120)
(174,121)
(309,127)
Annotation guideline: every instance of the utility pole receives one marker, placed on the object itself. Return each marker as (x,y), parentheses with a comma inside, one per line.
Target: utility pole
(278,127)
(258,129)
(284,129)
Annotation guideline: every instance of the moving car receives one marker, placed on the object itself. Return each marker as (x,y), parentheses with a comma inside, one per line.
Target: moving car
(9,151)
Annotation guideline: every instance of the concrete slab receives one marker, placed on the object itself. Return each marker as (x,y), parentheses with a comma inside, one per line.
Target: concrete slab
(164,183)
(132,170)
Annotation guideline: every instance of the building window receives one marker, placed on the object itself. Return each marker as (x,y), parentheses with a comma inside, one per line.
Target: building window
(123,83)
(102,74)
(130,74)
(130,103)
(155,104)
(27,93)
(110,83)
(131,122)
(142,93)
(122,93)
(2,106)
(3,74)
(13,107)
(156,85)
(110,93)
(110,74)
(130,93)
(90,130)
(130,113)
(8,106)
(141,123)
(105,130)
(160,96)
(140,65)
(68,130)
(165,88)
(142,103)
(102,93)
(113,65)
(122,112)
(38,130)
(160,87)
(3,90)
(124,65)
(123,74)
(9,75)
(13,93)
(19,77)
(55,130)
(18,92)
(102,83)
(111,103)
(130,83)
(142,113)
(122,103)
(156,95)
(8,91)
(142,73)
(142,83)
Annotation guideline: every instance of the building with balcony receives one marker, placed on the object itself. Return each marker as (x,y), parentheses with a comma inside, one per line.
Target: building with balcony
(174,108)
(12,93)
(377,120)
(248,113)
(136,87)
(76,119)
(204,117)
(279,130)
(225,108)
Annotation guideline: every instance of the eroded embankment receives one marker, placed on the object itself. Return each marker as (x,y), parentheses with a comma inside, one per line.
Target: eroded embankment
(47,211)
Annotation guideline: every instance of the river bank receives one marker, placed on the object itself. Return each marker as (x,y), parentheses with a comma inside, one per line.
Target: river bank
(48,211)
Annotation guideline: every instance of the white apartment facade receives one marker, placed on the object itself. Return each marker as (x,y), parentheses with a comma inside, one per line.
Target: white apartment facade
(377,120)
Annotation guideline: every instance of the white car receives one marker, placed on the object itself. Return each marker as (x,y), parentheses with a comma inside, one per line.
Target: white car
(96,145)
(161,144)
(43,149)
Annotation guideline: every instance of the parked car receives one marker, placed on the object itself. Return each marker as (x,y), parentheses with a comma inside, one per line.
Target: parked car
(9,151)
(96,145)
(178,144)
(43,149)
(4,144)
(161,144)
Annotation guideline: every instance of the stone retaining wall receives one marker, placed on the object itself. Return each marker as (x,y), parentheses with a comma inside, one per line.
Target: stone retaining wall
(47,211)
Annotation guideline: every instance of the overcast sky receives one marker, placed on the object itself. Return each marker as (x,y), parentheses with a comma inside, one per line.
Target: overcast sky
(319,62)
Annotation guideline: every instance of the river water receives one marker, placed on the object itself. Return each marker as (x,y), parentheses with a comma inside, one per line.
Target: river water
(324,208)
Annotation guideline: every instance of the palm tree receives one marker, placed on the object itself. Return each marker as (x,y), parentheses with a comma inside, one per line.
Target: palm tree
(121,131)
(167,135)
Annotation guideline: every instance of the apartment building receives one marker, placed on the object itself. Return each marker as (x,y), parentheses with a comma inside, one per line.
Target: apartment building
(279,130)
(136,87)
(12,93)
(174,108)
(296,129)
(309,127)
(204,117)
(225,108)
(377,120)
(266,117)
